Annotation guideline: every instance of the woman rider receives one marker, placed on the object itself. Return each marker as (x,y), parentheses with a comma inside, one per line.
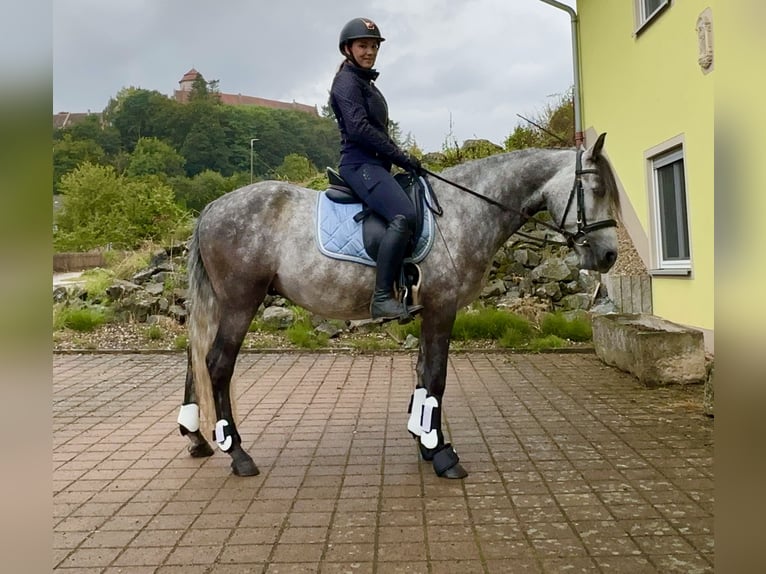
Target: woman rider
(367,154)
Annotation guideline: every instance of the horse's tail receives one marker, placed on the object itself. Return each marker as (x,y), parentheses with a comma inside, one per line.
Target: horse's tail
(204,317)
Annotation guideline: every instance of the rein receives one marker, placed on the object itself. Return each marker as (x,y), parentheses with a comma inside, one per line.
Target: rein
(583,228)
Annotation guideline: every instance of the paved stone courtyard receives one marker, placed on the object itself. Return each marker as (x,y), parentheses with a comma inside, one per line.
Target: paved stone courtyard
(574,467)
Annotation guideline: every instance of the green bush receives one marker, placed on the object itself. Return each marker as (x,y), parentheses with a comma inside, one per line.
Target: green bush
(302,334)
(85,318)
(181,342)
(488,324)
(101,207)
(154,333)
(577,328)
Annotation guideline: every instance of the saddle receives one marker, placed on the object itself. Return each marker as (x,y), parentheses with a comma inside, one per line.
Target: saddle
(375,226)
(369,227)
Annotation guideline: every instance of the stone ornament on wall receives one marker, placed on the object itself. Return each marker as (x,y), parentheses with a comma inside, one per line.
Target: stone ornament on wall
(705,40)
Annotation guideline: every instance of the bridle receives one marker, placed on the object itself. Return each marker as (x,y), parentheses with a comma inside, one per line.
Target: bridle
(579,237)
(583,227)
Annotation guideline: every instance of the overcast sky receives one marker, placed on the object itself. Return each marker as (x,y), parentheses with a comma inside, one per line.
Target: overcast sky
(464,67)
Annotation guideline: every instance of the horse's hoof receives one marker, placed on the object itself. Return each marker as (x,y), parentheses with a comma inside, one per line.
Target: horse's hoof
(200,450)
(447,463)
(243,465)
(456,471)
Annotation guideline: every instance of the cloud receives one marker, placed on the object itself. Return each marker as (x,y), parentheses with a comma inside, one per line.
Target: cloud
(480,61)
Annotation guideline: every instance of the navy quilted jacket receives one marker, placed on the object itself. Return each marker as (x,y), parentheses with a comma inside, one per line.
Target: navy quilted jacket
(362,115)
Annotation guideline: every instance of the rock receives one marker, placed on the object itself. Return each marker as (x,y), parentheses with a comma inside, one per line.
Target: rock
(411,342)
(136,306)
(146,274)
(278,317)
(654,350)
(494,288)
(178,313)
(120,288)
(60,294)
(554,269)
(550,290)
(329,328)
(526,257)
(154,288)
(603,307)
(588,281)
(575,301)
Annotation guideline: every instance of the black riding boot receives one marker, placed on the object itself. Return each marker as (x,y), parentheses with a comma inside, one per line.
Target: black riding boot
(390,255)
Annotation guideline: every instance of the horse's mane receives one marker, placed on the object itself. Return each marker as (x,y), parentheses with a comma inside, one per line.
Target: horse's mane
(609,182)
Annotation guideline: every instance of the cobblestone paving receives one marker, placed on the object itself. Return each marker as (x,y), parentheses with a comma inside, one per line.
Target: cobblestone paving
(574,467)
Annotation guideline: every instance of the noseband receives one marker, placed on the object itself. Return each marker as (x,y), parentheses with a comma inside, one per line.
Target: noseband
(583,227)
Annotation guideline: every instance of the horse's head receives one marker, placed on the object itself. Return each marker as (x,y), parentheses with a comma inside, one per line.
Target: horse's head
(587,215)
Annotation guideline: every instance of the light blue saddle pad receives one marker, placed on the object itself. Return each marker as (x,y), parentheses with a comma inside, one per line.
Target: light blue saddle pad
(340,237)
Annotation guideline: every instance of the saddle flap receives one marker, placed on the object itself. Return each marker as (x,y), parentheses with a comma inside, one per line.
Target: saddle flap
(338,190)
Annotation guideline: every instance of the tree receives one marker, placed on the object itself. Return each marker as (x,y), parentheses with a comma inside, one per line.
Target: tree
(204,146)
(296,168)
(100,207)
(138,113)
(196,192)
(68,153)
(553,127)
(154,157)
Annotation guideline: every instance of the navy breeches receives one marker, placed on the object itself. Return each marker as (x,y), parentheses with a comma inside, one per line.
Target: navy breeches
(379,190)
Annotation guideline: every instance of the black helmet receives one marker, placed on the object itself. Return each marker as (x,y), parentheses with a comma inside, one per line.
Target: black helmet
(358,28)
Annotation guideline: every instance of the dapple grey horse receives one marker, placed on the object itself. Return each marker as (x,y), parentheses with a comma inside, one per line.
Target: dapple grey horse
(260,238)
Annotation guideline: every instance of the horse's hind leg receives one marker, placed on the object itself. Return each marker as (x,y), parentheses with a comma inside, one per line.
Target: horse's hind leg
(220,363)
(188,416)
(426,403)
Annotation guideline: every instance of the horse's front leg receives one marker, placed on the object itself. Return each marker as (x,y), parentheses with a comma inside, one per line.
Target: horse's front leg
(220,363)
(426,403)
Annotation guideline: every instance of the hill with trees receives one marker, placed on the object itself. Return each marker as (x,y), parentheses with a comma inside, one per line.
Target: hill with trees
(148,164)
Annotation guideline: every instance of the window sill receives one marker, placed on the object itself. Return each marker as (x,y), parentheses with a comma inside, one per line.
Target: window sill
(670,272)
(646,23)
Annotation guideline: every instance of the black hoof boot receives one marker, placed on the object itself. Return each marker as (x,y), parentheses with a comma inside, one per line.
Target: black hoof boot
(447,463)
(199,447)
(242,463)
(200,450)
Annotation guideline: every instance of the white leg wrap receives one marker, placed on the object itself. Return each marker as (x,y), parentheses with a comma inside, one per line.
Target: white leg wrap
(224,440)
(188,417)
(418,398)
(420,421)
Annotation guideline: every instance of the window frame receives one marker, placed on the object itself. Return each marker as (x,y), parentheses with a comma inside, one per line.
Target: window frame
(662,156)
(642,19)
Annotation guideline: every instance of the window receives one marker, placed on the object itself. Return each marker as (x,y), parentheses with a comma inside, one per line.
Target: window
(647,10)
(671,223)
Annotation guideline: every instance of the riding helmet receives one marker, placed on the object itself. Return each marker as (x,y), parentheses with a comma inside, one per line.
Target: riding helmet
(356,29)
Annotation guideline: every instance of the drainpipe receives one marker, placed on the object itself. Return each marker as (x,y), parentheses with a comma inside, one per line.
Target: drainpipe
(575,67)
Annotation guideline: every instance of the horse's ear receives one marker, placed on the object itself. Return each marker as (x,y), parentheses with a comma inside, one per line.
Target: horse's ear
(598,146)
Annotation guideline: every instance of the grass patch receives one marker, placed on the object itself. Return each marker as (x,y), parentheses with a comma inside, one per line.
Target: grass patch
(96,282)
(302,333)
(154,333)
(373,344)
(305,337)
(180,343)
(87,318)
(128,264)
(577,328)
(547,342)
(489,324)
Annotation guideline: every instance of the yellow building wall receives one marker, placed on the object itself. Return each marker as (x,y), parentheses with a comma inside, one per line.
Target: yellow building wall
(644,90)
